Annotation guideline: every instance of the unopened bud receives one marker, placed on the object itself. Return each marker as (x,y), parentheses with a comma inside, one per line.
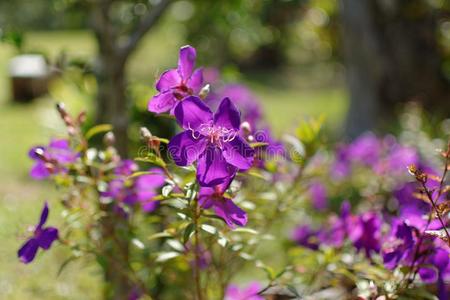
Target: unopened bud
(204,92)
(61,108)
(145,134)
(420,176)
(109,139)
(81,118)
(246,128)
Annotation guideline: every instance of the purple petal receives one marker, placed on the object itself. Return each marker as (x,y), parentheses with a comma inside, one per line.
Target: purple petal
(162,102)
(212,168)
(238,153)
(428,274)
(47,237)
(32,153)
(196,81)
(230,212)
(227,115)
(186,61)
(149,206)
(59,144)
(192,112)
(185,149)
(44,215)
(318,195)
(28,251)
(39,171)
(169,79)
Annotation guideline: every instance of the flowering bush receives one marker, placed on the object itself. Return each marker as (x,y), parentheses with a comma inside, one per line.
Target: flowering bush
(198,211)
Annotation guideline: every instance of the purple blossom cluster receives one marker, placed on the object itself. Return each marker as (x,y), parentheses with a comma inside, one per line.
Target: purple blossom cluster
(52,159)
(138,190)
(401,238)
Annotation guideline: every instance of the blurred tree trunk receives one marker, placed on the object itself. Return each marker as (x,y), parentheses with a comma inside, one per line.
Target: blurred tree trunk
(392,56)
(115,47)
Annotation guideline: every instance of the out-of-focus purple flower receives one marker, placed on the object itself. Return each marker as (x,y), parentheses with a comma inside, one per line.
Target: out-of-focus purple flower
(51,159)
(176,84)
(342,164)
(250,292)
(412,209)
(205,257)
(365,233)
(126,168)
(212,140)
(306,237)
(224,207)
(43,237)
(338,227)
(247,102)
(273,151)
(145,188)
(365,149)
(141,189)
(432,261)
(211,75)
(318,195)
(399,246)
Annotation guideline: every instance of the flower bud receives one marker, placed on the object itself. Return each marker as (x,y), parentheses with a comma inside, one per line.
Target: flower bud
(145,134)
(109,139)
(246,128)
(204,92)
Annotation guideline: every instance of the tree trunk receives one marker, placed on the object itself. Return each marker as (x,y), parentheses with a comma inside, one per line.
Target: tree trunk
(111,99)
(392,56)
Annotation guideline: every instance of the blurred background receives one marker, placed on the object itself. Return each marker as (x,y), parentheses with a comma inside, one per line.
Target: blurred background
(355,62)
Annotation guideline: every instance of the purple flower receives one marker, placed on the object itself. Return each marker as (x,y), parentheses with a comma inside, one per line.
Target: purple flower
(399,246)
(224,207)
(43,237)
(365,233)
(176,84)
(51,159)
(248,103)
(306,237)
(273,151)
(126,168)
(338,227)
(318,195)
(365,149)
(146,187)
(141,189)
(250,292)
(211,139)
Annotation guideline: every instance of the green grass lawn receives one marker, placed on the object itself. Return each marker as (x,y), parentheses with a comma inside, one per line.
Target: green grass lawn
(29,124)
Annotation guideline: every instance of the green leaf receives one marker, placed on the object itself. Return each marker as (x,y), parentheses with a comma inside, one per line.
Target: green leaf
(258,144)
(188,232)
(137,243)
(97,129)
(209,228)
(175,245)
(160,235)
(246,230)
(165,256)
(153,159)
(65,264)
(162,140)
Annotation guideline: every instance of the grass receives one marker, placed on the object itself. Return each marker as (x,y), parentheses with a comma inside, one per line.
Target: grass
(26,125)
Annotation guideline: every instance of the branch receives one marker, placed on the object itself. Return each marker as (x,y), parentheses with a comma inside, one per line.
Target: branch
(143,27)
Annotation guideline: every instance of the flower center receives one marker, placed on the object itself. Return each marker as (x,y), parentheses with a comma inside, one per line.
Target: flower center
(182,91)
(215,134)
